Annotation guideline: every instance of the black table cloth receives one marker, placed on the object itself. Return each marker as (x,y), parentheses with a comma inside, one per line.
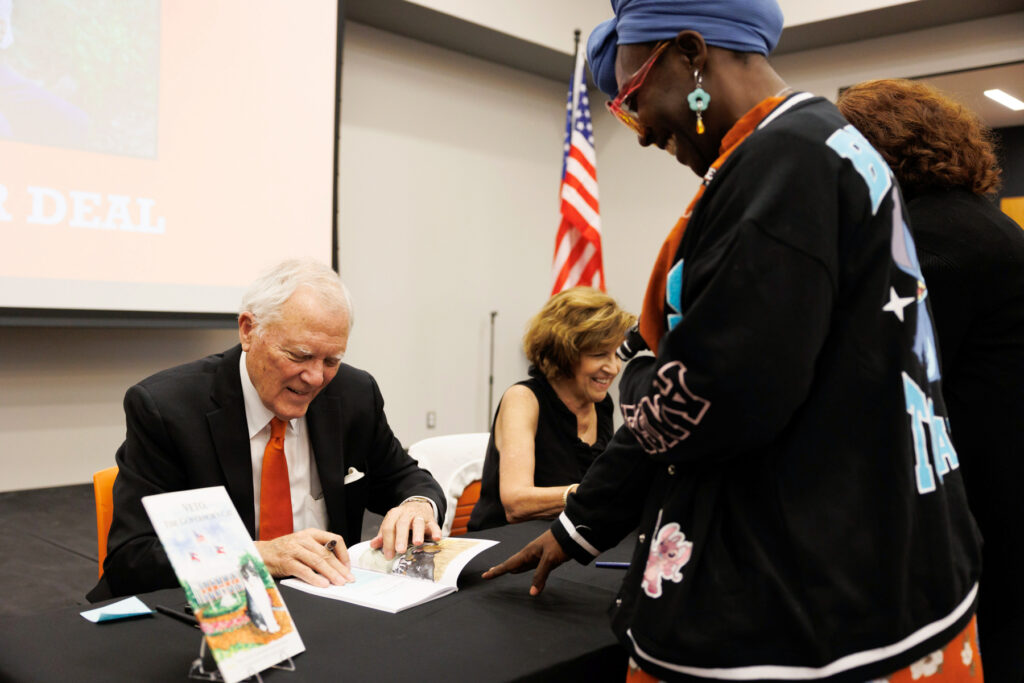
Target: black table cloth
(487,631)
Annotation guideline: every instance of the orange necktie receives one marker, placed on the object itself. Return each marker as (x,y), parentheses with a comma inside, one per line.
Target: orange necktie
(275,490)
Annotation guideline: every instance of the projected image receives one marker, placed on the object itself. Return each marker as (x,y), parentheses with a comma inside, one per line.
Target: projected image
(154,152)
(81,74)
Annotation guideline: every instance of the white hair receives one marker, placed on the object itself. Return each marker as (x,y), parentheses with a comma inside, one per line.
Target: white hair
(268,293)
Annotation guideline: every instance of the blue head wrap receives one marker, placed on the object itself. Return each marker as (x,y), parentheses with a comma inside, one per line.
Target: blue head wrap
(740,25)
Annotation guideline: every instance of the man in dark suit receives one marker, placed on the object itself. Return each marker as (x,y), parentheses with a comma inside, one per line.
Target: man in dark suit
(209,423)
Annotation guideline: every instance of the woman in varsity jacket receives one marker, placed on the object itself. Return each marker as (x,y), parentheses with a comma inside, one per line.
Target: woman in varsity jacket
(785,452)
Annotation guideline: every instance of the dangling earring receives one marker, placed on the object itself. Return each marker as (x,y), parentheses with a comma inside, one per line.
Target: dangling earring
(698,101)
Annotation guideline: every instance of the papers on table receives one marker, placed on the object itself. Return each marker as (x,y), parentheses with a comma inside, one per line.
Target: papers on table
(122,609)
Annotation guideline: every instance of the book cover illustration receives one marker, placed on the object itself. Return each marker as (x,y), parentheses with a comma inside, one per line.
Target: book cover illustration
(239,608)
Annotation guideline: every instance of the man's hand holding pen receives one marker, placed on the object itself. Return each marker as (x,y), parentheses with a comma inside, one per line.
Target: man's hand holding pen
(317,557)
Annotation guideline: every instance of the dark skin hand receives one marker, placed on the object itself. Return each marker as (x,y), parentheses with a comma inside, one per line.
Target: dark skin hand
(543,553)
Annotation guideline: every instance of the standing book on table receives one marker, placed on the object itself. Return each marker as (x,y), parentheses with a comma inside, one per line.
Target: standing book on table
(420,574)
(240,611)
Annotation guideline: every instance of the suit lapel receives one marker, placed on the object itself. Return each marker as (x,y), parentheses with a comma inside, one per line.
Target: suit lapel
(231,437)
(325,440)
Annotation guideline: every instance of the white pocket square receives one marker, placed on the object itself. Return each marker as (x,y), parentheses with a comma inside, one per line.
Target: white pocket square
(353,475)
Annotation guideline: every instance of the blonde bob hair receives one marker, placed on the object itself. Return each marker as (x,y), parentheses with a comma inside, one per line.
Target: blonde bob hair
(574,322)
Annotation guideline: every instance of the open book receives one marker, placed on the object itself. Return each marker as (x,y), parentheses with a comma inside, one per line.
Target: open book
(423,573)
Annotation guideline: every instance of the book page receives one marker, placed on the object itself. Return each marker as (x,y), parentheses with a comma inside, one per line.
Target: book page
(438,561)
(386,592)
(421,574)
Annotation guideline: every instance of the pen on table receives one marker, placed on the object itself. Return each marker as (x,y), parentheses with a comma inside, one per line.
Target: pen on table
(612,565)
(175,614)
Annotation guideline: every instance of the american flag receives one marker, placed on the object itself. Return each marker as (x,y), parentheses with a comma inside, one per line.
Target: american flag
(578,244)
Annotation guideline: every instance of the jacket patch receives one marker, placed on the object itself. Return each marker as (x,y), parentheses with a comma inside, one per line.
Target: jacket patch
(849,143)
(661,421)
(674,296)
(669,552)
(904,255)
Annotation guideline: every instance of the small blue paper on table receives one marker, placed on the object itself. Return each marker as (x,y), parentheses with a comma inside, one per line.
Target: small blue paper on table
(122,609)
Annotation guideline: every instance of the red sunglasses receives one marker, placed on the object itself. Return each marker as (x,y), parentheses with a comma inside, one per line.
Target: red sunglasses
(619,107)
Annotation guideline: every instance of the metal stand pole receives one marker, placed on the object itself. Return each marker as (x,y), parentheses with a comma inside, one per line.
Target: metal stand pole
(490,377)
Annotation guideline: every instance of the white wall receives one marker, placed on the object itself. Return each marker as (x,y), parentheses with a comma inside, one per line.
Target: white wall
(519,18)
(449,207)
(61,390)
(966,45)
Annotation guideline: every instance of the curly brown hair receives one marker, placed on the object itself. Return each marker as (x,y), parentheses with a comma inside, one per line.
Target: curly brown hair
(929,140)
(577,321)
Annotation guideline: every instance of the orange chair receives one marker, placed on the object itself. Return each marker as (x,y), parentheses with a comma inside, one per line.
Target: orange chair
(464,507)
(103,490)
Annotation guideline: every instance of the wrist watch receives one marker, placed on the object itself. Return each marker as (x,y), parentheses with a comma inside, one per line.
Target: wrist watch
(422,499)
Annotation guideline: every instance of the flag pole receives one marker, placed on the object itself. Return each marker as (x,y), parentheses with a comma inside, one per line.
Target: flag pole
(490,377)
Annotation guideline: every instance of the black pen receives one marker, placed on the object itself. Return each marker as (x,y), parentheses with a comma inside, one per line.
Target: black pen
(612,565)
(174,614)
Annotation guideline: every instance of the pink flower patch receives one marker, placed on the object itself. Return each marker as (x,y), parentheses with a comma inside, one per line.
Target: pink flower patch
(669,552)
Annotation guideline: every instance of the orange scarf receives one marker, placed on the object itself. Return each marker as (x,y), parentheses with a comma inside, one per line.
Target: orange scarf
(652,316)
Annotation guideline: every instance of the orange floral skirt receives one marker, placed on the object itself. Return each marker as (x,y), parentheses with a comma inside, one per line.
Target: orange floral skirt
(958,662)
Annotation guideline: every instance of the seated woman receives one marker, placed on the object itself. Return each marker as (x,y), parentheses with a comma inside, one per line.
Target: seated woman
(550,427)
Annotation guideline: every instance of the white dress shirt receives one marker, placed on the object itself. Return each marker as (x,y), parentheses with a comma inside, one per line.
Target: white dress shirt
(309,509)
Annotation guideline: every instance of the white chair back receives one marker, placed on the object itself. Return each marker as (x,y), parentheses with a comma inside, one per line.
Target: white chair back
(455,461)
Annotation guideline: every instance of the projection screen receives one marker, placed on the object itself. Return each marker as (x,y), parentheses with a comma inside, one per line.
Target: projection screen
(155,155)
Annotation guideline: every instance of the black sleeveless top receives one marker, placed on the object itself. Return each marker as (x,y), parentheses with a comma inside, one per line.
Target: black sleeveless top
(560,456)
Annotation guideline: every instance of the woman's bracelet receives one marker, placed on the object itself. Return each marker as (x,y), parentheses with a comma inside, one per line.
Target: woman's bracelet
(565,494)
